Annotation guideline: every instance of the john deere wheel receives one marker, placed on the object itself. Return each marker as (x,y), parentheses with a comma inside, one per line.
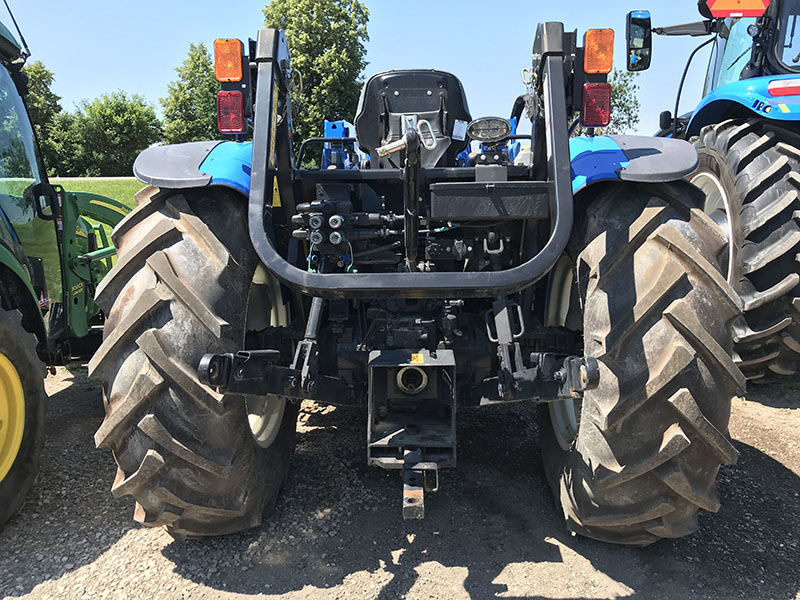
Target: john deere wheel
(636,460)
(199,462)
(750,172)
(21,413)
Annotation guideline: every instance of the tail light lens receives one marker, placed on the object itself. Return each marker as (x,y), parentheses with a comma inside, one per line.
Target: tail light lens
(598,47)
(230,112)
(228,60)
(784,87)
(596,110)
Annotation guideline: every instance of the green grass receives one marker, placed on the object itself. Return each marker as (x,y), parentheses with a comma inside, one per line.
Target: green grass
(121,190)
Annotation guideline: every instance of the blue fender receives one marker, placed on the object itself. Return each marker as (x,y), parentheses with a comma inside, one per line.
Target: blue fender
(602,158)
(750,94)
(629,158)
(196,164)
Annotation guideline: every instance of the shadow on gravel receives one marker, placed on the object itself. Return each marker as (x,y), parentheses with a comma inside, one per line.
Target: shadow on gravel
(70,517)
(495,524)
(777,392)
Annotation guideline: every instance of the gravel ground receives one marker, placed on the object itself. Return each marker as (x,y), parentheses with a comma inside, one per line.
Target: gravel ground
(492,530)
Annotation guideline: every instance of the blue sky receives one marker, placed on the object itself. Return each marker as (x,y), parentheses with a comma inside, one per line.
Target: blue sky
(97,46)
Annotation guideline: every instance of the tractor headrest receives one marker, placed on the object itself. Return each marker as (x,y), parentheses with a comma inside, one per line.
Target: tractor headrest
(432,95)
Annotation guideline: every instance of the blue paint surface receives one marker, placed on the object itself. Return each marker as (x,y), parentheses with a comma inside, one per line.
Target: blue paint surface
(595,159)
(752,94)
(229,165)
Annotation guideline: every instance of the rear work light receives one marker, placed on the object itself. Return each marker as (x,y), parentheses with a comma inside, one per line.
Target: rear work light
(596,110)
(784,87)
(228,60)
(230,112)
(598,47)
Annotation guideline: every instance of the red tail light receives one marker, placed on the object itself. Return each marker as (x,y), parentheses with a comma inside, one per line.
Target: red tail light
(230,112)
(784,87)
(596,110)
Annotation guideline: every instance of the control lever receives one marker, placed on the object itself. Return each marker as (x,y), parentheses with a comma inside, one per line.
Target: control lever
(427,138)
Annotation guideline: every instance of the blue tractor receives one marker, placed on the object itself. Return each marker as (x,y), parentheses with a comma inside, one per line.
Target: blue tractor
(747,134)
(580,275)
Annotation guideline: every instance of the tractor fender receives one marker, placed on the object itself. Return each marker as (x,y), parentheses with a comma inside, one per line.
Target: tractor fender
(196,164)
(629,158)
(749,96)
(602,158)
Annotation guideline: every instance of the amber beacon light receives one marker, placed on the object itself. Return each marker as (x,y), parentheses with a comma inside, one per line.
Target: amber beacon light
(598,51)
(228,60)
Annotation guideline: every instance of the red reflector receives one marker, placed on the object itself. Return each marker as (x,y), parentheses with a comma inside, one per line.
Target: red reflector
(784,87)
(230,112)
(596,105)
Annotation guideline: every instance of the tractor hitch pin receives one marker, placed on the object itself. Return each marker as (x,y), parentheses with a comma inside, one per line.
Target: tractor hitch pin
(426,135)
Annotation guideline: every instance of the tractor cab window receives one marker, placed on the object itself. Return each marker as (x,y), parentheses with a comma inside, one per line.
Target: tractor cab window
(730,54)
(20,222)
(788,38)
(19,170)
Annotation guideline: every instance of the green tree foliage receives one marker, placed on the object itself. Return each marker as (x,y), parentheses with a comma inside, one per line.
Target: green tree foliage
(624,102)
(108,134)
(190,112)
(326,39)
(44,107)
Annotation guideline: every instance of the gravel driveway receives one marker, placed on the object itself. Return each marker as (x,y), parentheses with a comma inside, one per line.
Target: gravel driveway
(493,529)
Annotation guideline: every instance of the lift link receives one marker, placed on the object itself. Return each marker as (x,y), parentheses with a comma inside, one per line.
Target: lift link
(255,373)
(549,377)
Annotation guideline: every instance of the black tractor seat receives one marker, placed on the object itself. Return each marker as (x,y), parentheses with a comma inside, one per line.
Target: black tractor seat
(391,99)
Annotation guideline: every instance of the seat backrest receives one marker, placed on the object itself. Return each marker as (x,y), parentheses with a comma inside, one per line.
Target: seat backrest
(435,96)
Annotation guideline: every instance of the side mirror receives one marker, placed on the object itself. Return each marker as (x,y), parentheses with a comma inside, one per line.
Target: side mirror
(665,120)
(640,40)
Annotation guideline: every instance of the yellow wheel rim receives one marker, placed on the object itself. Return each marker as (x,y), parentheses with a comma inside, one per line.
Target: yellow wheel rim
(12,415)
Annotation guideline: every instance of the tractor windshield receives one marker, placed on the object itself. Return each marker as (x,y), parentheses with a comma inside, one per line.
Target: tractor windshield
(731,53)
(18,162)
(19,216)
(788,38)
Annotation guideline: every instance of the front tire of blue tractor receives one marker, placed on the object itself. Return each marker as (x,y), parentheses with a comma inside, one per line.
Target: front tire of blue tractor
(643,450)
(196,461)
(750,172)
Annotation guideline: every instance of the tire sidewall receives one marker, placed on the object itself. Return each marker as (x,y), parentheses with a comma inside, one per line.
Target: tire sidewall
(713,162)
(19,480)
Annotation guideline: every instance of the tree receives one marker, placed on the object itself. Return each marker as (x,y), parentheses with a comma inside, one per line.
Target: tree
(110,133)
(44,108)
(190,111)
(326,40)
(624,104)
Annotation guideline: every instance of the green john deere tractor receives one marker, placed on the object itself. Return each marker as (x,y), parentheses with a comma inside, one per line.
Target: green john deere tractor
(53,252)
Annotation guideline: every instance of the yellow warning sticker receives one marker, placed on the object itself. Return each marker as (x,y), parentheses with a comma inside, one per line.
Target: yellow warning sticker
(276,194)
(417,359)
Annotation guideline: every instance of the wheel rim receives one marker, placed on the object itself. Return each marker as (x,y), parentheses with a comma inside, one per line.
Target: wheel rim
(565,415)
(265,413)
(12,415)
(718,201)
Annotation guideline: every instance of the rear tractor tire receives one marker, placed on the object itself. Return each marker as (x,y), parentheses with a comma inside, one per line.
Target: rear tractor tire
(196,461)
(636,459)
(750,172)
(22,400)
